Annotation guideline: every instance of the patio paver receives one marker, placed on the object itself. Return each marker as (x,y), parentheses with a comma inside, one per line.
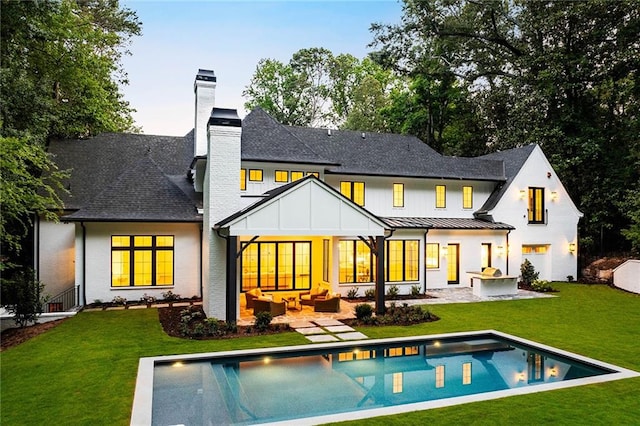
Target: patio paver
(355,335)
(339,328)
(311,330)
(327,322)
(322,338)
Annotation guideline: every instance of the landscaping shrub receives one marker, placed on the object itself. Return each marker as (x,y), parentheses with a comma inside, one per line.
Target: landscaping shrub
(169,296)
(191,322)
(393,291)
(404,315)
(364,311)
(528,273)
(542,286)
(352,293)
(22,296)
(119,300)
(146,299)
(370,293)
(263,319)
(416,290)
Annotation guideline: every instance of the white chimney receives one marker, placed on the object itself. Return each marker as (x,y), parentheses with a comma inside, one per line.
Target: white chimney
(205,90)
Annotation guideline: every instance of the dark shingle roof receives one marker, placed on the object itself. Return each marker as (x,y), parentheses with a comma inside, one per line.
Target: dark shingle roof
(116,160)
(513,160)
(444,223)
(348,152)
(264,139)
(142,193)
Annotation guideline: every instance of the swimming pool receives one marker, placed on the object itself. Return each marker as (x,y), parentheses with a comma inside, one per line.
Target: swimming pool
(339,381)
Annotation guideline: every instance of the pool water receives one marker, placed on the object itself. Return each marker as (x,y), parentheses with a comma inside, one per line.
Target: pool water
(325,380)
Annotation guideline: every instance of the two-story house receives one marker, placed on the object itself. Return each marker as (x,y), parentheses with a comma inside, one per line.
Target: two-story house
(243,204)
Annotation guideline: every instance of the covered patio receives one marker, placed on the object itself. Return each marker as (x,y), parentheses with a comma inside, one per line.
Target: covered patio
(306,214)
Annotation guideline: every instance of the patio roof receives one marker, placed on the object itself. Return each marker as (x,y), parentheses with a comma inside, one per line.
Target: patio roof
(444,223)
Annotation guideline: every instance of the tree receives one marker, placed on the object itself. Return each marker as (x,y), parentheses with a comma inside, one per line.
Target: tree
(560,74)
(60,75)
(317,88)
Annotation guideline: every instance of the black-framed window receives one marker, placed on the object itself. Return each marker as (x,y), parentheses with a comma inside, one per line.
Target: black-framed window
(467,197)
(536,205)
(398,195)
(282,176)
(441,196)
(276,265)
(356,262)
(243,179)
(353,191)
(432,255)
(402,260)
(142,260)
(325,260)
(295,175)
(255,175)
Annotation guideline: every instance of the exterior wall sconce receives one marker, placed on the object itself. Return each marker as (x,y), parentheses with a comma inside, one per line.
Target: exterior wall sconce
(572,248)
(523,193)
(499,250)
(554,195)
(444,250)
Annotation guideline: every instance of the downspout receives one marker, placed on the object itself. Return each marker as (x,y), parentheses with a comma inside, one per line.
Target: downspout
(36,246)
(200,266)
(84,264)
(507,249)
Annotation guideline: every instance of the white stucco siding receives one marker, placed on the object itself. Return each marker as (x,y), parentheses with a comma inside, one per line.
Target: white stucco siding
(470,245)
(55,256)
(186,255)
(560,230)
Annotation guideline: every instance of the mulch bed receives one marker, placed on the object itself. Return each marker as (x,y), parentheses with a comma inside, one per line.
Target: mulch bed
(398,298)
(14,336)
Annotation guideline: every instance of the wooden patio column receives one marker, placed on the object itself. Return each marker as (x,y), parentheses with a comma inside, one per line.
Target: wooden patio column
(380,275)
(232,268)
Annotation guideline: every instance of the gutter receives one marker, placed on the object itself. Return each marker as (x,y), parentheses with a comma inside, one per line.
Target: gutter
(84,264)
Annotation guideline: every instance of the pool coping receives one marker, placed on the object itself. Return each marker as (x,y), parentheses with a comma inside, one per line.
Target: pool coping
(143,397)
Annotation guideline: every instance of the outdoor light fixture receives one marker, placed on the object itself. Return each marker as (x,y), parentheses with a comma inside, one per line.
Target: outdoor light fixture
(523,193)
(499,250)
(554,195)
(572,248)
(444,250)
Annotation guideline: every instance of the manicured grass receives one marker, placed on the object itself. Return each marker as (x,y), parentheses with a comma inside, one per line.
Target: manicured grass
(84,371)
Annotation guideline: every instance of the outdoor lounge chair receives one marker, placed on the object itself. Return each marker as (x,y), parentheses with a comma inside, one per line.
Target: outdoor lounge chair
(308,297)
(328,304)
(274,308)
(254,294)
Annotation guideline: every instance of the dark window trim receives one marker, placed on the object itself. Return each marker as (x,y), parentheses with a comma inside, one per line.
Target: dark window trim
(471,200)
(243,180)
(354,257)
(394,195)
(261,175)
(353,188)
(154,249)
(404,264)
(275,176)
(531,211)
(437,256)
(293,263)
(444,206)
(457,280)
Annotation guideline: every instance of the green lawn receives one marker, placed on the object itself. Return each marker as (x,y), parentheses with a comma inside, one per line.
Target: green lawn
(83,371)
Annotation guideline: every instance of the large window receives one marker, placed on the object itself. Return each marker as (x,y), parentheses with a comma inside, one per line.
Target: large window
(141,260)
(402,260)
(356,262)
(433,256)
(467,197)
(353,191)
(295,175)
(281,265)
(441,196)
(536,205)
(398,195)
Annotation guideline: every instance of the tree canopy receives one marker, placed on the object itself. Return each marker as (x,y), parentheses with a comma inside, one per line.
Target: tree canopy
(60,75)
(560,74)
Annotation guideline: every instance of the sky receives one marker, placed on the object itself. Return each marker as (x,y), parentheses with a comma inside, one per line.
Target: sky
(230,37)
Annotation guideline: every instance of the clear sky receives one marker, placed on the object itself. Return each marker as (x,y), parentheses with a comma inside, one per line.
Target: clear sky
(230,37)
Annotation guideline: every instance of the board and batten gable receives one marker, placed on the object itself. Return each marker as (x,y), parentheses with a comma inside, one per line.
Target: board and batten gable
(559,231)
